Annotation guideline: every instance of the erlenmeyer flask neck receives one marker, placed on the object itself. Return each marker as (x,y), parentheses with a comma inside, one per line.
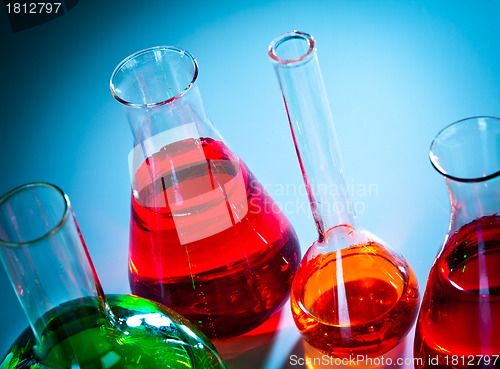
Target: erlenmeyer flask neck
(466,153)
(471,201)
(158,90)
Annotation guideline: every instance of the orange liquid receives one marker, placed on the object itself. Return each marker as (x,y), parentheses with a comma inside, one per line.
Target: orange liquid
(362,300)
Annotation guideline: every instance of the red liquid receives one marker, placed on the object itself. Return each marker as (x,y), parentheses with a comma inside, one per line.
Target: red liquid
(368,311)
(207,240)
(460,314)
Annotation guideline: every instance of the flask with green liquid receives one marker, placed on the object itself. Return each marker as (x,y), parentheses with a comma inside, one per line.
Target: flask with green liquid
(73,324)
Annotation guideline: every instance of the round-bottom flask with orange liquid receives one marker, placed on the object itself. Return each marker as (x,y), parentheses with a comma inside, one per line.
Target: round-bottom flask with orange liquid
(351,295)
(358,300)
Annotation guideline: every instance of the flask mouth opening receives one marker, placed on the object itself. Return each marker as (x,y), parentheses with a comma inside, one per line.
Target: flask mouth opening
(292,48)
(468,150)
(31,213)
(153,77)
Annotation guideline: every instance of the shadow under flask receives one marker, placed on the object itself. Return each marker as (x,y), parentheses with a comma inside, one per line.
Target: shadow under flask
(351,295)
(201,240)
(460,313)
(73,324)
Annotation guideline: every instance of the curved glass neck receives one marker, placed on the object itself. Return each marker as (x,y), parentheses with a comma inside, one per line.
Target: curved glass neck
(184,117)
(474,200)
(158,90)
(157,87)
(297,68)
(45,257)
(467,154)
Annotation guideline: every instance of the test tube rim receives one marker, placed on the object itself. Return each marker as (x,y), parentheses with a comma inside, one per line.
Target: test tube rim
(289,36)
(50,232)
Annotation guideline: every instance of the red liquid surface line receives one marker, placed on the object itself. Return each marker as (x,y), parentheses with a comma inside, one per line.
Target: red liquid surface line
(208,241)
(460,315)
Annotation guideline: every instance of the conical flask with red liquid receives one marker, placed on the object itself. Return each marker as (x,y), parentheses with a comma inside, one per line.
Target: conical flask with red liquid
(351,295)
(460,313)
(201,239)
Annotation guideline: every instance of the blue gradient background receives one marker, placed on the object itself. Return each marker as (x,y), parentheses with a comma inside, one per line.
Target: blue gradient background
(396,72)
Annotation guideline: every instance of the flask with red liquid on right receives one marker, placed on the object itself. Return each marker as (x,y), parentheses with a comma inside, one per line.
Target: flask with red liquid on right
(460,313)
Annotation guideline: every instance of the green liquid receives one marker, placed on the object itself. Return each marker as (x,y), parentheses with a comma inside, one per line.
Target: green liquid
(146,335)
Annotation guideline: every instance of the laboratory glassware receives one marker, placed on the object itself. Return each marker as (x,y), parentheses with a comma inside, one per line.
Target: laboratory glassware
(72,323)
(460,314)
(351,295)
(205,237)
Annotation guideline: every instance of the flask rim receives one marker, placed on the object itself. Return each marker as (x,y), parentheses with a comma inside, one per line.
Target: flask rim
(287,37)
(434,159)
(145,51)
(58,225)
